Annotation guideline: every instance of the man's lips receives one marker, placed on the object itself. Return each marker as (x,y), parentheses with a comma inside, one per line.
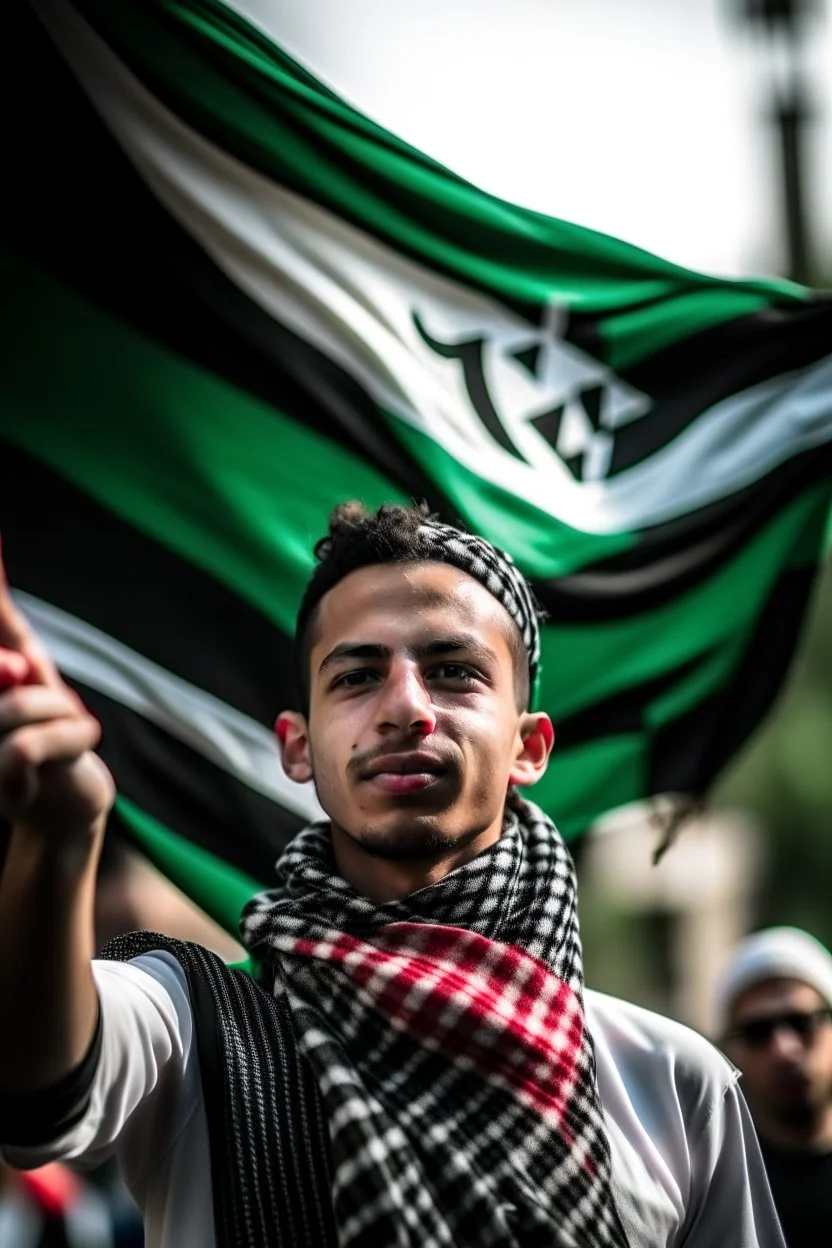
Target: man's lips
(404,782)
(405,772)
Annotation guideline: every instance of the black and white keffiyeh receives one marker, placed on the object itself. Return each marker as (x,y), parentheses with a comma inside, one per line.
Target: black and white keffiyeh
(446,1032)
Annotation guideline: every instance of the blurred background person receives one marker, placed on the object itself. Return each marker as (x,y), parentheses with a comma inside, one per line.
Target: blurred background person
(53,1207)
(773,1011)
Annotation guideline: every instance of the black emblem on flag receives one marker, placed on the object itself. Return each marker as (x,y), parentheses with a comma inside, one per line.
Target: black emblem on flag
(574,403)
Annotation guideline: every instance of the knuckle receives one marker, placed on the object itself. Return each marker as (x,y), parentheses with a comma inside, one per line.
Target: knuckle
(70,701)
(20,748)
(65,706)
(13,702)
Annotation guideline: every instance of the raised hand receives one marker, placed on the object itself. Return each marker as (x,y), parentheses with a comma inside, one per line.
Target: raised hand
(51,782)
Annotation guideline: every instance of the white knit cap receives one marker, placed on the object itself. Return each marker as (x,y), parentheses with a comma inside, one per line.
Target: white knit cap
(776,953)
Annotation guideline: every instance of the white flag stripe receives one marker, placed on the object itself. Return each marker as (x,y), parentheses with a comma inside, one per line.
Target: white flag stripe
(354,298)
(217,731)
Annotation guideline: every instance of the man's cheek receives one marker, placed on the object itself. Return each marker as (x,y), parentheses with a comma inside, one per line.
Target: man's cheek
(330,778)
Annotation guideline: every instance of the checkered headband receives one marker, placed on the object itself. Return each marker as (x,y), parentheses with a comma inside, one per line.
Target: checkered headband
(435,542)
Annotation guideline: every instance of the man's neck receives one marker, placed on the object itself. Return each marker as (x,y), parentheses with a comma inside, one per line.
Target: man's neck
(388,879)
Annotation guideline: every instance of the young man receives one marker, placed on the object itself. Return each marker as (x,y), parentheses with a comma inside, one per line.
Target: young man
(773,1009)
(423,942)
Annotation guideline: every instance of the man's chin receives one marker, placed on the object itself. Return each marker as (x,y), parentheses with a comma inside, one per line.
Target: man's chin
(420,842)
(797,1115)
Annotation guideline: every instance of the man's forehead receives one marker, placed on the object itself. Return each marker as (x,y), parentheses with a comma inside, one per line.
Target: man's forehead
(776,994)
(403,598)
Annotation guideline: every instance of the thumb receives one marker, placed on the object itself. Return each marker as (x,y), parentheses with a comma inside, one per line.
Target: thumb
(17,634)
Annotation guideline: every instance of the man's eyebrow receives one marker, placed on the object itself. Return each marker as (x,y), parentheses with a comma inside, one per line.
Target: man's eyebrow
(420,650)
(471,645)
(354,650)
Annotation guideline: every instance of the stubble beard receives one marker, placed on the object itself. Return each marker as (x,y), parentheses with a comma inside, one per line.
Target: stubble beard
(805,1115)
(413,844)
(801,1117)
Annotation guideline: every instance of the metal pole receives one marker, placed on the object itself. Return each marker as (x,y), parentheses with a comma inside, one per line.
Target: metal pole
(782,25)
(790,117)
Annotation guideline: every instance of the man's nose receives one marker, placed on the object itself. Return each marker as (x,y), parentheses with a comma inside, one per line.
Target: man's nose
(405,701)
(786,1044)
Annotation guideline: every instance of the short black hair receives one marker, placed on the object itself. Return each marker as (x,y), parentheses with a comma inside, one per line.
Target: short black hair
(360,538)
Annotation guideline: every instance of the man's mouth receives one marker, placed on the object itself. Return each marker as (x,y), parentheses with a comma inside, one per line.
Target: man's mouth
(791,1082)
(407,772)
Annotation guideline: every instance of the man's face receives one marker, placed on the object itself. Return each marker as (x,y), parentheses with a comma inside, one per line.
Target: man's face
(782,1043)
(413,734)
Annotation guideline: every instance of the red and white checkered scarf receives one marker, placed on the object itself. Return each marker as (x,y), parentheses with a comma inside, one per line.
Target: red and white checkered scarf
(447,1034)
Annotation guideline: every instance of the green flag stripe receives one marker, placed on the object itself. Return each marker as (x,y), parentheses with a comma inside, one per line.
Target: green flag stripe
(200,466)
(206,468)
(101,569)
(220,889)
(540,548)
(179,786)
(624,333)
(585,664)
(217,731)
(541,545)
(705,679)
(582,783)
(233,84)
(585,780)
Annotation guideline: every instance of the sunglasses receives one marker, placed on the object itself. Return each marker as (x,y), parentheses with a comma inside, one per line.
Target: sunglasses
(757,1032)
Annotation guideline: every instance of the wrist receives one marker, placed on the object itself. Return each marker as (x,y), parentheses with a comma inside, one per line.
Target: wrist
(72,846)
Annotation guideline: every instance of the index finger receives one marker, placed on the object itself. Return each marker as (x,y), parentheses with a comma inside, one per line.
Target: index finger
(17,634)
(14,631)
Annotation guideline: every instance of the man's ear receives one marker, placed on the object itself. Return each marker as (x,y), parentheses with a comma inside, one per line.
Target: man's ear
(292,733)
(537,736)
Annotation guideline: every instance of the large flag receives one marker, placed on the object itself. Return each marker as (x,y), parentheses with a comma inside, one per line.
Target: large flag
(231,300)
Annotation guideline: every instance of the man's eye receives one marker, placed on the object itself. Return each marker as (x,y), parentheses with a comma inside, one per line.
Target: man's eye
(355,679)
(454,671)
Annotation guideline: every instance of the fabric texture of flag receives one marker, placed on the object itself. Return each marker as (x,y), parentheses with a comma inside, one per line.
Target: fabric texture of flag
(231,300)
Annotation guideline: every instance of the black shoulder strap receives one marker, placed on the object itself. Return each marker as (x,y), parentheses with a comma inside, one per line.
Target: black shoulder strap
(268,1137)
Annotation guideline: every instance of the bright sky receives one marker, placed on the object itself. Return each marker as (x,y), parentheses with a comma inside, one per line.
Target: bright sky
(642,118)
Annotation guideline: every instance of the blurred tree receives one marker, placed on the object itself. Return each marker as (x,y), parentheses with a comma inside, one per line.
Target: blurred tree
(784,777)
